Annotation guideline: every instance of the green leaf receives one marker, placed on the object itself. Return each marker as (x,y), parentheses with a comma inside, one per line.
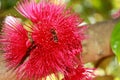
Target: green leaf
(115,41)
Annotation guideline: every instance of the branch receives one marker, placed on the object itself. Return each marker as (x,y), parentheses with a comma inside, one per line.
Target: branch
(97,46)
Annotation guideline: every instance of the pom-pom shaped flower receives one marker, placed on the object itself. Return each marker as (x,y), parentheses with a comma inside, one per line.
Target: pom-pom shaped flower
(79,73)
(52,44)
(14,40)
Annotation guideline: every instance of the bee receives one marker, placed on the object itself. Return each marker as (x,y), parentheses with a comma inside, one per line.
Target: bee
(54,34)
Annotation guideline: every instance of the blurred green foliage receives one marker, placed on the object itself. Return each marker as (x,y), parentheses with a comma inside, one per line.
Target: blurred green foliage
(95,10)
(7,4)
(115,41)
(91,11)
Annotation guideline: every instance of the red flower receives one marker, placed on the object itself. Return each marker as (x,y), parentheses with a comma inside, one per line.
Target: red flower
(79,73)
(52,45)
(14,41)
